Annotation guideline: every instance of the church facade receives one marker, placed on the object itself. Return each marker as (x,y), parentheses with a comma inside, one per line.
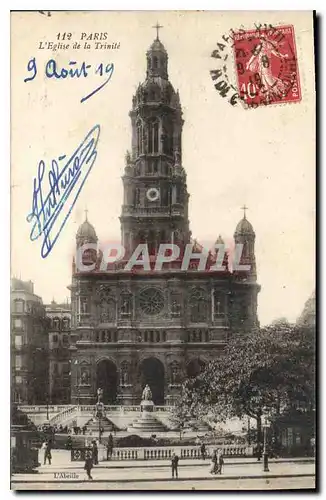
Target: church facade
(151,327)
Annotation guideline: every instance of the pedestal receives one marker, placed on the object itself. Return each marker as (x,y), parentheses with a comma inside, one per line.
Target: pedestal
(147,422)
(102,453)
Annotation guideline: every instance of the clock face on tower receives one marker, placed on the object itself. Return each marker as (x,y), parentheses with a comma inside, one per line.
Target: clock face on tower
(151,301)
(152,194)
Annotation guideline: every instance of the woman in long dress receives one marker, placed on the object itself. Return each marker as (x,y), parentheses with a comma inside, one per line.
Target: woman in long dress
(214,464)
(260,63)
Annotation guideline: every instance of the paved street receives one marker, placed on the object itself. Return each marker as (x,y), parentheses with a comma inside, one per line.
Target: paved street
(237,474)
(221,484)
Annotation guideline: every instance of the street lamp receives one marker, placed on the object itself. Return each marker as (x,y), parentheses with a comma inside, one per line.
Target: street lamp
(47,405)
(99,411)
(266,425)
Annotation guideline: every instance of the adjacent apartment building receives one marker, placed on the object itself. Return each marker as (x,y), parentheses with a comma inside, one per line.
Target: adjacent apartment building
(29,345)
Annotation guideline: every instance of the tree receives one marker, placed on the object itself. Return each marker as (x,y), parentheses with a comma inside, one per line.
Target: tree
(272,368)
(182,415)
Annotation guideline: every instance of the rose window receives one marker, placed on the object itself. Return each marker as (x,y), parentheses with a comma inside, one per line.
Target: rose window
(151,301)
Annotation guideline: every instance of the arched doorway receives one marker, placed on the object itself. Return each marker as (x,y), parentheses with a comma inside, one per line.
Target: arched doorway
(195,367)
(152,373)
(107,379)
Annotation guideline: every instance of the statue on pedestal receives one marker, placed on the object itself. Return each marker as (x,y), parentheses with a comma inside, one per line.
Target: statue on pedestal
(99,395)
(99,406)
(147,394)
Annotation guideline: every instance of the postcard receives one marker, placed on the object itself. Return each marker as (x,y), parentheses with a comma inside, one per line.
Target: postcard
(163,250)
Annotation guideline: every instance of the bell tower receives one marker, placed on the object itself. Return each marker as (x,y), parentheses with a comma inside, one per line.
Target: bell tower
(155,205)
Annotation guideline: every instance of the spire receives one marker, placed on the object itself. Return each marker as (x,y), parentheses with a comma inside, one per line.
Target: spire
(86,212)
(244,208)
(157,58)
(157,27)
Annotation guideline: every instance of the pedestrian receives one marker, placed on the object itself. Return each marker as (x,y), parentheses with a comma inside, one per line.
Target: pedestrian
(69,443)
(43,448)
(174,465)
(88,466)
(47,453)
(94,453)
(259,451)
(220,461)
(203,451)
(109,449)
(214,464)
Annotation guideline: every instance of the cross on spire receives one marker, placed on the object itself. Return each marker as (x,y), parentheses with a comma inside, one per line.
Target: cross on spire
(244,208)
(157,27)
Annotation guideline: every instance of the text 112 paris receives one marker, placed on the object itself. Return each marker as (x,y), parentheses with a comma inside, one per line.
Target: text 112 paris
(71,70)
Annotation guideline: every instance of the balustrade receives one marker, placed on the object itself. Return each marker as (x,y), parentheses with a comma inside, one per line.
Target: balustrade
(165,453)
(153,336)
(105,336)
(42,408)
(63,415)
(145,210)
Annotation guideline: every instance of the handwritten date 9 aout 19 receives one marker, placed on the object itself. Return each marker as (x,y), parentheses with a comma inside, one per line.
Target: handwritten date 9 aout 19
(72,70)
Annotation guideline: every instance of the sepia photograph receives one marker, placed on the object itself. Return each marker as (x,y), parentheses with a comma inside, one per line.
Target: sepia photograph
(163,226)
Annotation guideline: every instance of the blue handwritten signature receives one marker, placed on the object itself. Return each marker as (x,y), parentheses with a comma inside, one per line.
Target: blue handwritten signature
(50,212)
(72,70)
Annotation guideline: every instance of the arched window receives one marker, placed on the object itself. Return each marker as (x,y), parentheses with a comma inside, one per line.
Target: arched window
(219,304)
(136,197)
(153,127)
(56,324)
(139,138)
(19,306)
(155,62)
(198,306)
(66,323)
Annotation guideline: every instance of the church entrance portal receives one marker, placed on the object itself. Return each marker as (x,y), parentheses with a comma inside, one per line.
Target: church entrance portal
(152,373)
(107,380)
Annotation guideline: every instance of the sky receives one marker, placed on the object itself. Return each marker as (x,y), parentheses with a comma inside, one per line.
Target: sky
(264,158)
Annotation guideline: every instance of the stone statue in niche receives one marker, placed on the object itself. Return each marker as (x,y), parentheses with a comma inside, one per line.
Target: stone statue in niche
(84,376)
(128,158)
(175,306)
(126,304)
(124,374)
(177,157)
(174,373)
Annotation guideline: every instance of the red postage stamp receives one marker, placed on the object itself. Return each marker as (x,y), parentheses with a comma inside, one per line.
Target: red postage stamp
(267,66)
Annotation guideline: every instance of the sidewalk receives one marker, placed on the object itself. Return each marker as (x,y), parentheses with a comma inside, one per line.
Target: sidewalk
(162,472)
